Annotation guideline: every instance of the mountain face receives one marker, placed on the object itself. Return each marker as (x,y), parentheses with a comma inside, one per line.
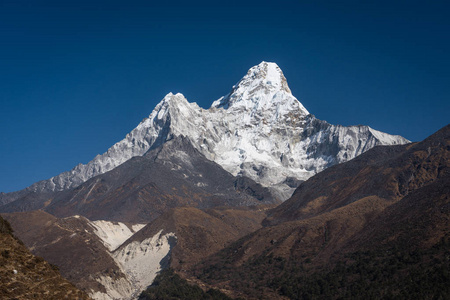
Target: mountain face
(259,130)
(374,227)
(389,172)
(144,187)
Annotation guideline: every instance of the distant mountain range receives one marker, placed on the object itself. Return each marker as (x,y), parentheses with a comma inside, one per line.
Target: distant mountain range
(254,197)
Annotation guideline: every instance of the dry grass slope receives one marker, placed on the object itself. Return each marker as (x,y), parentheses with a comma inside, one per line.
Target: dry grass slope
(25,276)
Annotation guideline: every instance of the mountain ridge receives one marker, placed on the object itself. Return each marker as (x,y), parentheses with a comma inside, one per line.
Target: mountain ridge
(372,227)
(144,187)
(259,130)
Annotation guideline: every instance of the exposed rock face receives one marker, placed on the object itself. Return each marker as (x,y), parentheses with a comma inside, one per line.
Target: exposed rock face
(114,234)
(142,260)
(259,130)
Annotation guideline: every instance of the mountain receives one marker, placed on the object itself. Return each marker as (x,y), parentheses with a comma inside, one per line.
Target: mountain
(357,222)
(374,227)
(259,130)
(389,172)
(190,187)
(25,276)
(141,189)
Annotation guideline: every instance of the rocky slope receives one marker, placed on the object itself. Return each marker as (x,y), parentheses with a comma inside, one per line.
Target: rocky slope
(259,130)
(25,276)
(113,260)
(73,245)
(203,232)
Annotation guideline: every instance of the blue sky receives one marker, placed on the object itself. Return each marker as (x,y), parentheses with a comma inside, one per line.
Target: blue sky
(77,76)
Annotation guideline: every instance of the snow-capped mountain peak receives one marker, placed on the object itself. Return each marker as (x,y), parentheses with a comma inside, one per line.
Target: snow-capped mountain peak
(267,76)
(259,130)
(169,104)
(262,91)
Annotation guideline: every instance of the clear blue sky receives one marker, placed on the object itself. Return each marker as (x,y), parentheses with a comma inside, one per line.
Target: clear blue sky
(77,76)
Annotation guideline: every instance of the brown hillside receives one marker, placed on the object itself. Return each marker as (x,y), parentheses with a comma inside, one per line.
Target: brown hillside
(145,187)
(390,201)
(67,243)
(25,276)
(202,232)
(388,172)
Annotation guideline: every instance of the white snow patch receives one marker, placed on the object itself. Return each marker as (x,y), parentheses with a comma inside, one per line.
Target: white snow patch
(114,234)
(386,139)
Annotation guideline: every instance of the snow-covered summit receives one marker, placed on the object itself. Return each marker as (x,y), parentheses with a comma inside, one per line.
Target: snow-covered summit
(264,87)
(259,130)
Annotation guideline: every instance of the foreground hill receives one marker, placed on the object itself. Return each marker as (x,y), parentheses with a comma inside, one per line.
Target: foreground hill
(200,233)
(113,260)
(377,226)
(71,244)
(25,276)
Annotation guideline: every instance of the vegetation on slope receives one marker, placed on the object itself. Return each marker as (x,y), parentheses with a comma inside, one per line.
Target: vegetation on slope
(384,273)
(390,274)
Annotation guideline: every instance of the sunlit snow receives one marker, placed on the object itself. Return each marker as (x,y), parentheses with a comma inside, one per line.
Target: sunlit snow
(259,130)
